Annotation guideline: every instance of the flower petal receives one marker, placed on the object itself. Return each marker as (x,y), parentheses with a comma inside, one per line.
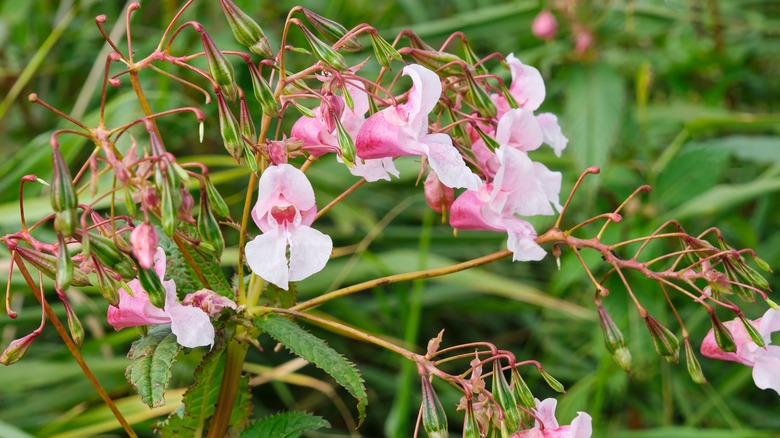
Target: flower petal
(552,133)
(191,325)
(378,138)
(424,94)
(582,426)
(309,252)
(282,184)
(374,170)
(134,310)
(448,164)
(545,410)
(266,256)
(519,129)
(769,324)
(527,84)
(521,241)
(466,213)
(766,371)
(517,189)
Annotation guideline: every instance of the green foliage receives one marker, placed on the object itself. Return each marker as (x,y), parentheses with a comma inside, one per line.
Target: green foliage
(152,355)
(316,351)
(284,425)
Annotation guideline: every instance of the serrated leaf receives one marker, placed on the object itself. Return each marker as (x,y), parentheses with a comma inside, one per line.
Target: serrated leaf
(316,351)
(211,269)
(187,280)
(153,355)
(284,425)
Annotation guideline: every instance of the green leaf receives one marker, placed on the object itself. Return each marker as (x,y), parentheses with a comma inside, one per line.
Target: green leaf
(724,197)
(153,355)
(316,351)
(593,114)
(211,269)
(187,279)
(684,177)
(284,425)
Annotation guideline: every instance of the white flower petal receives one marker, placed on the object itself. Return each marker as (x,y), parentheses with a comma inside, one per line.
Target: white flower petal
(309,252)
(766,370)
(448,164)
(266,256)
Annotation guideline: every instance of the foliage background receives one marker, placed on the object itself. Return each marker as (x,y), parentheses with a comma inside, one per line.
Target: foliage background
(680,94)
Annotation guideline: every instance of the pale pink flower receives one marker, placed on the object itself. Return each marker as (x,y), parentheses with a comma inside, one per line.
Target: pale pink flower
(284,211)
(582,41)
(764,360)
(547,426)
(191,325)
(319,134)
(143,242)
(438,196)
(402,130)
(209,301)
(544,26)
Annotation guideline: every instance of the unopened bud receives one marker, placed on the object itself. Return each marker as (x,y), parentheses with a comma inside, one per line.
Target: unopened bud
(107,286)
(544,26)
(152,284)
(208,227)
(434,419)
(505,398)
(323,51)
(723,336)
(665,342)
(218,204)
(438,196)
(64,265)
(752,331)
(277,152)
(332,30)
(63,195)
(346,143)
(143,241)
(209,301)
(694,368)
(245,121)
(479,97)
(246,30)
(229,129)
(187,203)
(220,68)
(613,339)
(74,325)
(385,53)
(583,41)
(263,93)
(331,109)
(443,63)
(17,348)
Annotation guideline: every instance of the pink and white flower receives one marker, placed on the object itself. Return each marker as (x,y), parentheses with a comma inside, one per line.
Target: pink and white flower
(319,134)
(547,426)
(402,130)
(284,211)
(191,325)
(764,360)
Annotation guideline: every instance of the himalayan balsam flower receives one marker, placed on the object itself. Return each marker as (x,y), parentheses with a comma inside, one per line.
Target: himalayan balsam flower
(402,130)
(764,360)
(191,325)
(580,427)
(544,26)
(284,211)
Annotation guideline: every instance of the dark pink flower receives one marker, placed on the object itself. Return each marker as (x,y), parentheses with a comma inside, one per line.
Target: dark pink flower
(547,426)
(143,242)
(208,301)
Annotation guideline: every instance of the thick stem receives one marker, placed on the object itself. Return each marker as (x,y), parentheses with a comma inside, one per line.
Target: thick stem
(236,352)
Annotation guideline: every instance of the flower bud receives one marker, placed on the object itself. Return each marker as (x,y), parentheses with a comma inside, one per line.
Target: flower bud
(143,241)
(385,53)
(63,195)
(18,348)
(552,382)
(106,252)
(218,204)
(505,398)
(277,152)
(332,30)
(324,52)
(434,419)
(723,336)
(752,331)
(246,30)
(64,265)
(47,264)
(438,196)
(184,212)
(436,61)
(583,41)
(74,325)
(346,143)
(544,26)
(152,284)
(209,301)
(229,129)
(220,68)
(107,286)
(245,121)
(263,92)
(208,227)
(613,339)
(665,342)
(479,98)
(694,368)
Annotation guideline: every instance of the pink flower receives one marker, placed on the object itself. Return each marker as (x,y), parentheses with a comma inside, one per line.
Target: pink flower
(580,427)
(544,26)
(143,241)
(402,130)
(284,212)
(191,325)
(319,134)
(764,360)
(438,196)
(209,301)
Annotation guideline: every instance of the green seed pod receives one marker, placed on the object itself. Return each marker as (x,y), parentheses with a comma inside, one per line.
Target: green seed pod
(152,284)
(64,265)
(169,215)
(346,143)
(434,419)
(436,61)
(64,200)
(723,336)
(324,52)
(263,92)
(694,368)
(17,349)
(47,264)
(229,129)
(752,331)
(665,342)
(470,423)
(552,382)
(332,30)
(220,68)
(505,398)
(246,30)
(74,325)
(245,121)
(107,286)
(613,339)
(208,227)
(218,204)
(106,252)
(480,98)
(385,53)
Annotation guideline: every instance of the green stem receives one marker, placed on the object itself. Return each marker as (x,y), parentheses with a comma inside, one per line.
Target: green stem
(236,352)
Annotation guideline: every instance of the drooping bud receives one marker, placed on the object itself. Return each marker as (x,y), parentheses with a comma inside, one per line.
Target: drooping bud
(505,399)
(332,30)
(168,214)
(63,195)
(438,196)
(434,419)
(143,242)
(665,342)
(47,264)
(544,26)
(187,203)
(385,53)
(208,227)
(263,93)
(552,382)
(331,109)
(209,301)
(64,265)
(613,339)
(723,336)
(523,395)
(277,152)
(479,97)
(229,129)
(107,286)
(245,120)
(220,68)
(470,423)
(246,30)
(18,348)
(152,284)
(218,204)
(762,264)
(752,331)
(443,63)
(74,325)
(324,52)
(692,363)
(107,253)
(303,110)
(346,143)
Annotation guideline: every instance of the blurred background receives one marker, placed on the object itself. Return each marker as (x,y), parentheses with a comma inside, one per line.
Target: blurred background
(680,94)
